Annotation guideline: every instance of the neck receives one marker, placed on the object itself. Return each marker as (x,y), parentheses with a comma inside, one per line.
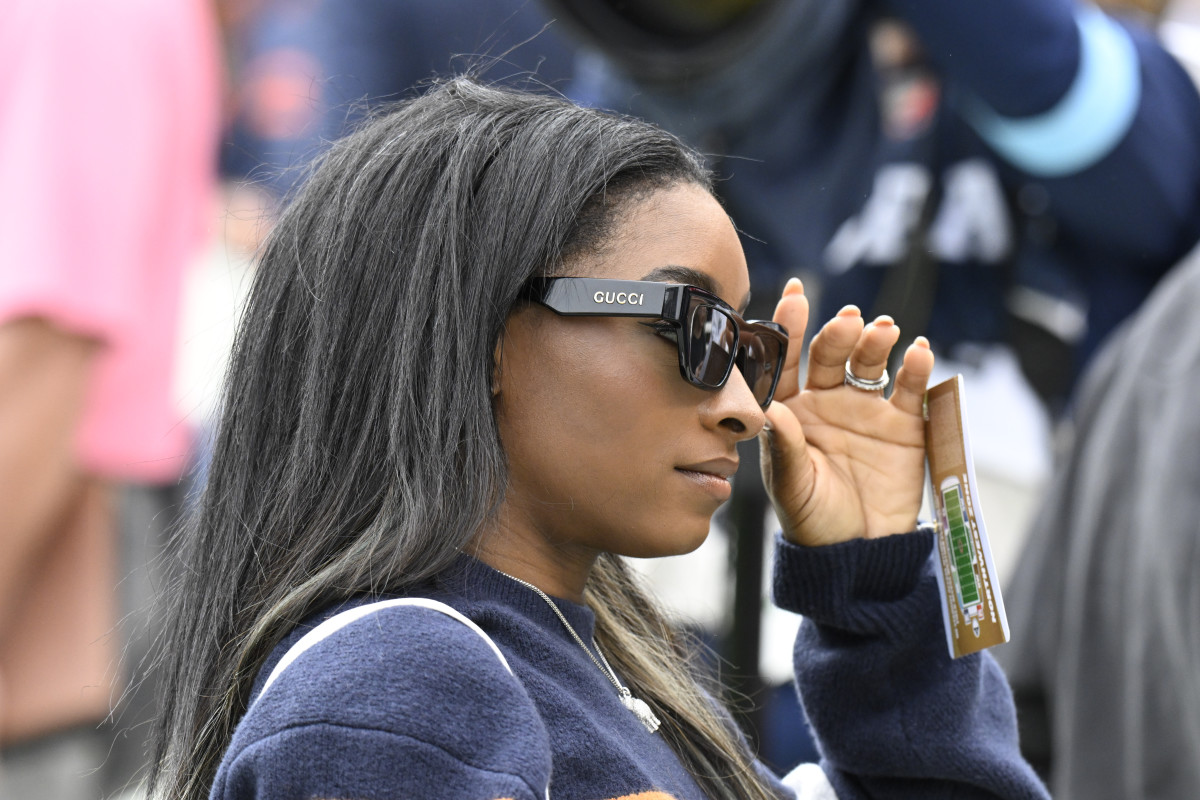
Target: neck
(560,569)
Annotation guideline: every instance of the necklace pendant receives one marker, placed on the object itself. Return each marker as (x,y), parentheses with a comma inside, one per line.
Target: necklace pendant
(640,710)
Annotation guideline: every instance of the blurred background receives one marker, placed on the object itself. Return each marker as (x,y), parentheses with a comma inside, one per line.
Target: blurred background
(1011,181)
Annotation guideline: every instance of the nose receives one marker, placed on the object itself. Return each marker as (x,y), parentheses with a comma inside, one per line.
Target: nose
(733,408)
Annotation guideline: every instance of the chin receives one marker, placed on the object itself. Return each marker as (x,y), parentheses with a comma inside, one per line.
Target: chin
(677,541)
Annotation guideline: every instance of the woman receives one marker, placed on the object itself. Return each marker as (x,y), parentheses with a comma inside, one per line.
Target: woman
(492,347)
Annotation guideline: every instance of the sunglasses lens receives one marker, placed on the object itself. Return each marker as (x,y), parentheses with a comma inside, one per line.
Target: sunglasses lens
(711,346)
(759,360)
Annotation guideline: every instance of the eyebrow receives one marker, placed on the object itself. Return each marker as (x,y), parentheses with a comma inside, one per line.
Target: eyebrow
(694,277)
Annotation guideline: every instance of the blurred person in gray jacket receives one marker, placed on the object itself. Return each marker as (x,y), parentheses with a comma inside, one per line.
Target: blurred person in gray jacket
(1105,667)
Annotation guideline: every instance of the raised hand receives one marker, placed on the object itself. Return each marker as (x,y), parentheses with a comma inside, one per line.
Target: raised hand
(841,462)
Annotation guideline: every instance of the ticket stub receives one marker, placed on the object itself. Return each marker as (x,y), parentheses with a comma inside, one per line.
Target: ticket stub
(972,608)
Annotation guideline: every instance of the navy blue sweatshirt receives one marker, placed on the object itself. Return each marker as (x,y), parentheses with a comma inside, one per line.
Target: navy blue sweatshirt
(410,703)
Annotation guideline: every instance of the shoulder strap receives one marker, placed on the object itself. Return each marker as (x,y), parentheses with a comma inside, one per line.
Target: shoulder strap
(341,620)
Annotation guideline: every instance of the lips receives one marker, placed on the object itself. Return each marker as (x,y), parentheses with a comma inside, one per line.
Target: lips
(723,468)
(711,477)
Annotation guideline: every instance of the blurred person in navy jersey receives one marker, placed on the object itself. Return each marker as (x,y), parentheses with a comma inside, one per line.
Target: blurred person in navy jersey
(306,70)
(108,123)
(1039,177)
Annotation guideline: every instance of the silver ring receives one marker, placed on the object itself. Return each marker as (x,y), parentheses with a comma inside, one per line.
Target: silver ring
(877,385)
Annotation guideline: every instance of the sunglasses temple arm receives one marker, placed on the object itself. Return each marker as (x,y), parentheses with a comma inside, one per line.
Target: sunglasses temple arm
(610,298)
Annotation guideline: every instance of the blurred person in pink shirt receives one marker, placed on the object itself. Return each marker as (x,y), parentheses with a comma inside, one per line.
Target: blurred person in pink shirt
(108,121)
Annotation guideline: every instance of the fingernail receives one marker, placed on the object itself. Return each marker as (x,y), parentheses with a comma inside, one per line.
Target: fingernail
(921,341)
(793,286)
(849,311)
(884,319)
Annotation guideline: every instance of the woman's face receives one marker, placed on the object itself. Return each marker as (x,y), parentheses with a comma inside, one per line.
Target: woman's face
(609,449)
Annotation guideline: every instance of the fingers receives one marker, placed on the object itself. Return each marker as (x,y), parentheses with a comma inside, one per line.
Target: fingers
(831,347)
(846,338)
(785,460)
(870,357)
(911,380)
(792,313)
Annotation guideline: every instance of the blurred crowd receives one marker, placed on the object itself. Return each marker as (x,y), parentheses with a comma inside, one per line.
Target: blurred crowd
(1020,182)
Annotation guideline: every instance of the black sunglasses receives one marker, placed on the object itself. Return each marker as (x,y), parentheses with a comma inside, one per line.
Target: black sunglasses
(712,337)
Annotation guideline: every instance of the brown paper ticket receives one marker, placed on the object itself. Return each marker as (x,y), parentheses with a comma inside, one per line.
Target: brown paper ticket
(972,608)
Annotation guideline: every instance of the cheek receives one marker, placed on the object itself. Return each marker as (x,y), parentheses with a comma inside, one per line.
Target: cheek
(591,415)
(592,428)
(577,410)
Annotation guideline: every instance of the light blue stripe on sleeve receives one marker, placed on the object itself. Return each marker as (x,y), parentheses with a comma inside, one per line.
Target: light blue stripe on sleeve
(1091,118)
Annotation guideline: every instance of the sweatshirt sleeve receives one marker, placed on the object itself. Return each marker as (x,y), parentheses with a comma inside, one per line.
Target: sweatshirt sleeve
(405,703)
(893,714)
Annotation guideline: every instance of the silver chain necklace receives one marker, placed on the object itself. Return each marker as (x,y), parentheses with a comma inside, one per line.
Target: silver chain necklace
(638,707)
